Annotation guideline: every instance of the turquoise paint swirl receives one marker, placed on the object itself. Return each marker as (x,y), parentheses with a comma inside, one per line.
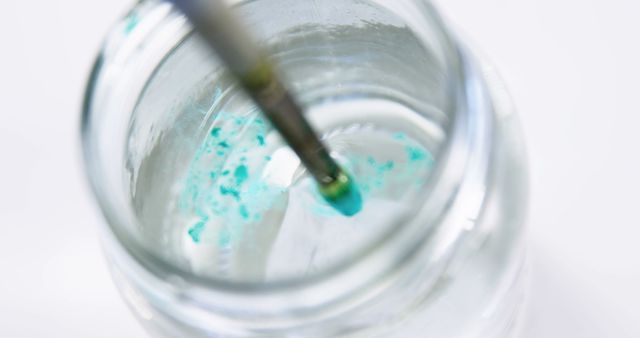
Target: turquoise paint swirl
(224,182)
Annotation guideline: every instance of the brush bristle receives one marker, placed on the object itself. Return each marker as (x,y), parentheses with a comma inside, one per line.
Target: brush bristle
(343,195)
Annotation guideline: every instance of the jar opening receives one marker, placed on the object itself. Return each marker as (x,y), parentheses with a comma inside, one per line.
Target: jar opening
(130,110)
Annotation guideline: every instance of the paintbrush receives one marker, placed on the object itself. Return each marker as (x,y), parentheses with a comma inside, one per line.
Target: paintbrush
(214,21)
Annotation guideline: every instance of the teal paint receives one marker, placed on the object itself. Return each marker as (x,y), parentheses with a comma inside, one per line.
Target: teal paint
(400,136)
(131,22)
(243,211)
(349,202)
(223,183)
(218,182)
(241,174)
(387,166)
(224,239)
(196,230)
(228,191)
(415,153)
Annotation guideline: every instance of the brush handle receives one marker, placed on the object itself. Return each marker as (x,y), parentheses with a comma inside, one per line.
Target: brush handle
(217,25)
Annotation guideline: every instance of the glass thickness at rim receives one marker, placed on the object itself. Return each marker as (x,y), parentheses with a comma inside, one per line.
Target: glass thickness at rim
(383,254)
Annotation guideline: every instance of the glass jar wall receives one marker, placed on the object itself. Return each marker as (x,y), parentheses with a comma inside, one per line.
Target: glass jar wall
(213,227)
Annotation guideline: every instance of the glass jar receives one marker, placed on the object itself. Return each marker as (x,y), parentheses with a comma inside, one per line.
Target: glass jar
(438,248)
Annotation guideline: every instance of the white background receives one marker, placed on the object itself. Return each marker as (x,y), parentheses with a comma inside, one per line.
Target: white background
(573,68)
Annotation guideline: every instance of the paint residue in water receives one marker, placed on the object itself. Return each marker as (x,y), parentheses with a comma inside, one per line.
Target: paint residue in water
(131,22)
(241,174)
(380,176)
(196,230)
(224,186)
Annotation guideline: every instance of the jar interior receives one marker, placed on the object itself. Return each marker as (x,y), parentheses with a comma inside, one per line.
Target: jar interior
(216,191)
